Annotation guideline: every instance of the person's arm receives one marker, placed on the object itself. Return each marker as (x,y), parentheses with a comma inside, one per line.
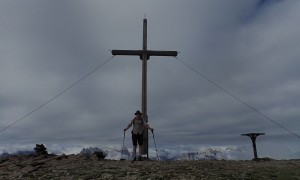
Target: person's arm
(129,125)
(148,127)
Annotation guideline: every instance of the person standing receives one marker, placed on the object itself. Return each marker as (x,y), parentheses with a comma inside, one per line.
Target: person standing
(138,124)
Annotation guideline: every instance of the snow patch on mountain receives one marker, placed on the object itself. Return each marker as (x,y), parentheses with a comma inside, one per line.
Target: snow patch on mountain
(174,153)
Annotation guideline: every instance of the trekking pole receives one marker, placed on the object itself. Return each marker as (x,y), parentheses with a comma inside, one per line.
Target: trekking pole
(155,145)
(123,148)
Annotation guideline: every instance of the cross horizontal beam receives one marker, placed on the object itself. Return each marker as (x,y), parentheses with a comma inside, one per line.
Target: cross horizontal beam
(140,53)
(253,134)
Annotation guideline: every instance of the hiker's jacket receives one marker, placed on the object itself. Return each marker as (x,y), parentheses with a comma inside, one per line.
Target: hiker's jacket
(138,125)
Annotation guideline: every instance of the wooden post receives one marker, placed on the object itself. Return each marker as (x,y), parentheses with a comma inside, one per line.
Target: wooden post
(253,137)
(144,56)
(144,88)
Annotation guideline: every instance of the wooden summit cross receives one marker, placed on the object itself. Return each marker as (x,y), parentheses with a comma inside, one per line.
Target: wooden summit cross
(144,56)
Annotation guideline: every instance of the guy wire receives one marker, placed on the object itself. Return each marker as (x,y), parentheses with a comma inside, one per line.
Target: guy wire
(59,94)
(238,99)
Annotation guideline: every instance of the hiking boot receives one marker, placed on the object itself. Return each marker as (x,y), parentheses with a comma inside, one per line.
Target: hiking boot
(140,158)
(134,159)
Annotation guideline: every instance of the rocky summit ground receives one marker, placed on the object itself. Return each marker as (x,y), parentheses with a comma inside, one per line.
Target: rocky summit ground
(93,167)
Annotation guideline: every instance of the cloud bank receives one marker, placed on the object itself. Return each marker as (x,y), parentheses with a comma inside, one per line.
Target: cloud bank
(250,48)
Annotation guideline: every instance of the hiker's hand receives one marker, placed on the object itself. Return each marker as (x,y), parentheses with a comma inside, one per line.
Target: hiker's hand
(152,130)
(125,129)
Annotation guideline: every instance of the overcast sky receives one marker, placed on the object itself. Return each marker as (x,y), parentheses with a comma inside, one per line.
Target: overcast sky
(248,47)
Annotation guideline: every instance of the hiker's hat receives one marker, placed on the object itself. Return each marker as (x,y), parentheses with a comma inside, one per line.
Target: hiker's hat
(137,112)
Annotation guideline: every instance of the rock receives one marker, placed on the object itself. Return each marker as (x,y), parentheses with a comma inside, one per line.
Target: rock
(40,149)
(98,156)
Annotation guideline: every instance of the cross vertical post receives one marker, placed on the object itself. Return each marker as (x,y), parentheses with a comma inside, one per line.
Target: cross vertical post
(144,88)
(144,56)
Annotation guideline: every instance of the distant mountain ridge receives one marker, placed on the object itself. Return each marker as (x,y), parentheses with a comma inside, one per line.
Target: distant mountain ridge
(117,153)
(208,154)
(166,153)
(6,154)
